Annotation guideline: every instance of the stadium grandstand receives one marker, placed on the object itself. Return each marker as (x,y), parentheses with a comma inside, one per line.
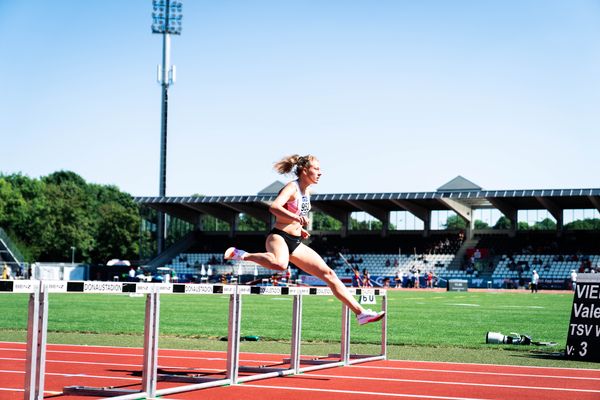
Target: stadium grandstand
(498,255)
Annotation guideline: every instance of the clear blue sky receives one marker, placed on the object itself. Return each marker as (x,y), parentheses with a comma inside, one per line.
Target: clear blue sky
(390,95)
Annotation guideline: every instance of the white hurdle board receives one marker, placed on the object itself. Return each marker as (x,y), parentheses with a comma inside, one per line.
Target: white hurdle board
(37,332)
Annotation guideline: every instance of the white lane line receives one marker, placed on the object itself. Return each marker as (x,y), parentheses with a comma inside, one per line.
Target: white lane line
(22,390)
(119,365)
(141,355)
(455,371)
(373,394)
(492,365)
(457,383)
(307,355)
(76,375)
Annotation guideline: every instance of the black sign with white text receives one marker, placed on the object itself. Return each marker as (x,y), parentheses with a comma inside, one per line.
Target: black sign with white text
(457,285)
(583,341)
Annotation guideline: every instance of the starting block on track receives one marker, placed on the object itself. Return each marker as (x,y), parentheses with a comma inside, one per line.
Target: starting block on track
(37,333)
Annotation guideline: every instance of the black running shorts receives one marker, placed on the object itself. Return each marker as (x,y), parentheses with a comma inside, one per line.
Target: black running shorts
(292,241)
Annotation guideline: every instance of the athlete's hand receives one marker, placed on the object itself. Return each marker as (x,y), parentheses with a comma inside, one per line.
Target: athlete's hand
(303,220)
(304,233)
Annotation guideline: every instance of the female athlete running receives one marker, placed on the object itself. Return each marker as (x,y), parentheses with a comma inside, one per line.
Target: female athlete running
(284,242)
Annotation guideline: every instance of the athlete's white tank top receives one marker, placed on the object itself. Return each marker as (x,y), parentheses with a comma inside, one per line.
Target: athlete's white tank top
(299,205)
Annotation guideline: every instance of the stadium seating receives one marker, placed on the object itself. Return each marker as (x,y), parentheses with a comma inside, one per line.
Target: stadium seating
(552,256)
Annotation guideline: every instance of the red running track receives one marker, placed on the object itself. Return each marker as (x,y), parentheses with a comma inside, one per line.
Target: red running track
(121,367)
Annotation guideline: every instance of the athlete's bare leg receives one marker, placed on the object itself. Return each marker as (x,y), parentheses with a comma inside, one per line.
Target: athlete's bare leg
(311,262)
(276,257)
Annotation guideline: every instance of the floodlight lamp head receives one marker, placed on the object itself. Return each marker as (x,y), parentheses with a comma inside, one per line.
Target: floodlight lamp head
(167,17)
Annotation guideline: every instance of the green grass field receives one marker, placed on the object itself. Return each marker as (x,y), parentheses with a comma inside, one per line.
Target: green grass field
(427,325)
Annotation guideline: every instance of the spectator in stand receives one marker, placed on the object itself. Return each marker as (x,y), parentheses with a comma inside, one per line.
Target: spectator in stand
(417,278)
(366,278)
(410,279)
(547,267)
(430,279)
(398,278)
(356,279)
(534,281)
(573,279)
(275,279)
(5,272)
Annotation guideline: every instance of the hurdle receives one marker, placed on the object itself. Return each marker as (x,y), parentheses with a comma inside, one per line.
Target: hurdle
(36,340)
(150,363)
(345,356)
(233,331)
(295,360)
(37,334)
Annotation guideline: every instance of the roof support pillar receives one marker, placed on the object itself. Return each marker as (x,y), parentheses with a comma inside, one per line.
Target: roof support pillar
(595,200)
(509,212)
(463,211)
(553,209)
(420,212)
(377,212)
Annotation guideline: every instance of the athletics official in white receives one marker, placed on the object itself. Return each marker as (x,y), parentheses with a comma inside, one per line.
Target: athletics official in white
(284,242)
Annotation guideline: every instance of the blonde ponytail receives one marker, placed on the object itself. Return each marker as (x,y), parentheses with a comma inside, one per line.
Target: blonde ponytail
(294,163)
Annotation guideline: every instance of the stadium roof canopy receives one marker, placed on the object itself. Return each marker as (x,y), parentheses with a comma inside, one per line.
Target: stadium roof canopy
(458,195)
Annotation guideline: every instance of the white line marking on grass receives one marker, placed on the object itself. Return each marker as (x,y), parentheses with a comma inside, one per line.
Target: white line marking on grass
(416,396)
(496,385)
(281,298)
(463,304)
(521,307)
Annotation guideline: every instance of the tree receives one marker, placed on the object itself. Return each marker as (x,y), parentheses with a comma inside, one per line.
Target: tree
(585,224)
(503,223)
(46,217)
(325,222)
(248,223)
(455,222)
(546,224)
(523,226)
(479,224)
(117,234)
(213,224)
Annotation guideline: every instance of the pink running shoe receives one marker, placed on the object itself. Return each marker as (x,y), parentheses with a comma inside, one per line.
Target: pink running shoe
(369,316)
(234,254)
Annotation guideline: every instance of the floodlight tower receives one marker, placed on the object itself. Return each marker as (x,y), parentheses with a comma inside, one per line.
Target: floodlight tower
(166,21)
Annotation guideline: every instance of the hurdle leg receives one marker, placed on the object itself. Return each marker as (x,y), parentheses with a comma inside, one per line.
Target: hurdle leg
(296,334)
(345,345)
(384,307)
(233,331)
(36,321)
(150,367)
